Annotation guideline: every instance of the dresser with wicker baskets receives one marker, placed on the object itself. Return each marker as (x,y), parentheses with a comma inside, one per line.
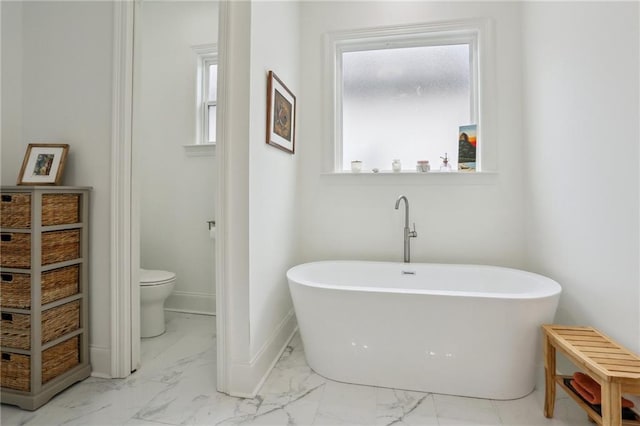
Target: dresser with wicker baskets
(44,333)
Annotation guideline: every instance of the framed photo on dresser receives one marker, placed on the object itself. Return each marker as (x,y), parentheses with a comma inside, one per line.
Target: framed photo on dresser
(43,164)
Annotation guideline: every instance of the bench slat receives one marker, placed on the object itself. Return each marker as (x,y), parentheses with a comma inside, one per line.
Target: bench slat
(585,339)
(592,348)
(598,352)
(594,345)
(604,360)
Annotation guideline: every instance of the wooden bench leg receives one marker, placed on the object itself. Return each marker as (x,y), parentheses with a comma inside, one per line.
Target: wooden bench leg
(611,404)
(549,377)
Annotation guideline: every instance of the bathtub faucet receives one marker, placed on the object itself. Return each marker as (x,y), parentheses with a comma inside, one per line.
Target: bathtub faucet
(408,233)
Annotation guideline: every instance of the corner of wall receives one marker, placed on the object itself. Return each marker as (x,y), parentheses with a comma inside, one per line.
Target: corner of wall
(246,379)
(100,359)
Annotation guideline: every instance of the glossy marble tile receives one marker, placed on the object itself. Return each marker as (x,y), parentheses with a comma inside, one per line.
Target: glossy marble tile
(397,407)
(176,386)
(185,334)
(190,385)
(346,404)
(137,422)
(452,410)
(101,401)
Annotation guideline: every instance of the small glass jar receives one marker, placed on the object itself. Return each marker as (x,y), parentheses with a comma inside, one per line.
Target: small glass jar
(423,166)
(396,166)
(356,166)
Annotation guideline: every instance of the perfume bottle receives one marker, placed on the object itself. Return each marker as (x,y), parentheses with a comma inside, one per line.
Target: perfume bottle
(445,166)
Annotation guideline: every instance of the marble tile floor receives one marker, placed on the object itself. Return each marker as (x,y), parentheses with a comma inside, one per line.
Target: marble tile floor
(176,386)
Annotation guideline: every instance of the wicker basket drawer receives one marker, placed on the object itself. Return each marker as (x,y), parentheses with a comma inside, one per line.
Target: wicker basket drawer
(15,331)
(60,283)
(57,360)
(57,246)
(15,372)
(56,322)
(60,209)
(15,210)
(57,209)
(15,250)
(54,285)
(60,358)
(15,290)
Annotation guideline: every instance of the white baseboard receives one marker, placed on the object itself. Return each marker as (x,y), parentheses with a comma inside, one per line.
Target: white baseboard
(247,379)
(189,311)
(191,302)
(100,359)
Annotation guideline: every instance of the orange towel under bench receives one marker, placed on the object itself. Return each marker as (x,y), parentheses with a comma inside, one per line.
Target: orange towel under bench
(590,390)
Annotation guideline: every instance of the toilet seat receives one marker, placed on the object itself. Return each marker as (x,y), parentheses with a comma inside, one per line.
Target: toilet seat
(155,277)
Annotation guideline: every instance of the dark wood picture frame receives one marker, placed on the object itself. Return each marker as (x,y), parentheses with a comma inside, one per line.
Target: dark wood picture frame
(281,115)
(43,164)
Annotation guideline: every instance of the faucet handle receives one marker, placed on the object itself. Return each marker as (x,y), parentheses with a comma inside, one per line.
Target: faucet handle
(413,233)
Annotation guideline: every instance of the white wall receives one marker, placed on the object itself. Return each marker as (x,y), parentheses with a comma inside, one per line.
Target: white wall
(177,190)
(65,96)
(11,145)
(273,218)
(465,219)
(260,201)
(582,125)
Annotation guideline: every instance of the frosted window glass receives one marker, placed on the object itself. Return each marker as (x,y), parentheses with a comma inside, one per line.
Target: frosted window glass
(404,103)
(211,129)
(213,82)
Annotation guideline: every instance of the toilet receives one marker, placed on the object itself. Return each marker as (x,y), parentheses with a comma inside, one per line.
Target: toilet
(155,287)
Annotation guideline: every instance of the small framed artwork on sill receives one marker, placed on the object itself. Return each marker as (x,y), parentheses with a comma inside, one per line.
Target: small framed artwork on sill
(467,146)
(43,164)
(281,115)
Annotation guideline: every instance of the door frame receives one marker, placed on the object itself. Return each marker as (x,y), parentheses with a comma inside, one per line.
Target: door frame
(125,209)
(123,327)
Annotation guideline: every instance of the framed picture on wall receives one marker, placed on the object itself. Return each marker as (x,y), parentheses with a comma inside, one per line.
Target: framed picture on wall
(281,115)
(43,164)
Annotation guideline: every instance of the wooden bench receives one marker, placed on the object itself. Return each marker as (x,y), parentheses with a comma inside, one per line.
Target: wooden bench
(615,368)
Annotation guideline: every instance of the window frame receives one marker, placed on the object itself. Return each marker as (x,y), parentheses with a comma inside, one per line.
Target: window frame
(207,55)
(206,104)
(477,33)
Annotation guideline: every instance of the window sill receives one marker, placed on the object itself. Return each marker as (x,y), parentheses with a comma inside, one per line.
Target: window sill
(412,177)
(200,150)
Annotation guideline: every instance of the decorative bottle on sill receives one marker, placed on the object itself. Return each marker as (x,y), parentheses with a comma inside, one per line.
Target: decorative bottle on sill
(445,166)
(396,166)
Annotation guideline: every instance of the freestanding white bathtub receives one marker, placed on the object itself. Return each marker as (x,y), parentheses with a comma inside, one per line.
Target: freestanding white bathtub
(463,330)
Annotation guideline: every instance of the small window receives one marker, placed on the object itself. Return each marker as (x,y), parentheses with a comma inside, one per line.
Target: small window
(403,93)
(207,92)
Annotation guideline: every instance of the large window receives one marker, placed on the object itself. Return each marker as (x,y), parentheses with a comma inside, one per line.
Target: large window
(403,93)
